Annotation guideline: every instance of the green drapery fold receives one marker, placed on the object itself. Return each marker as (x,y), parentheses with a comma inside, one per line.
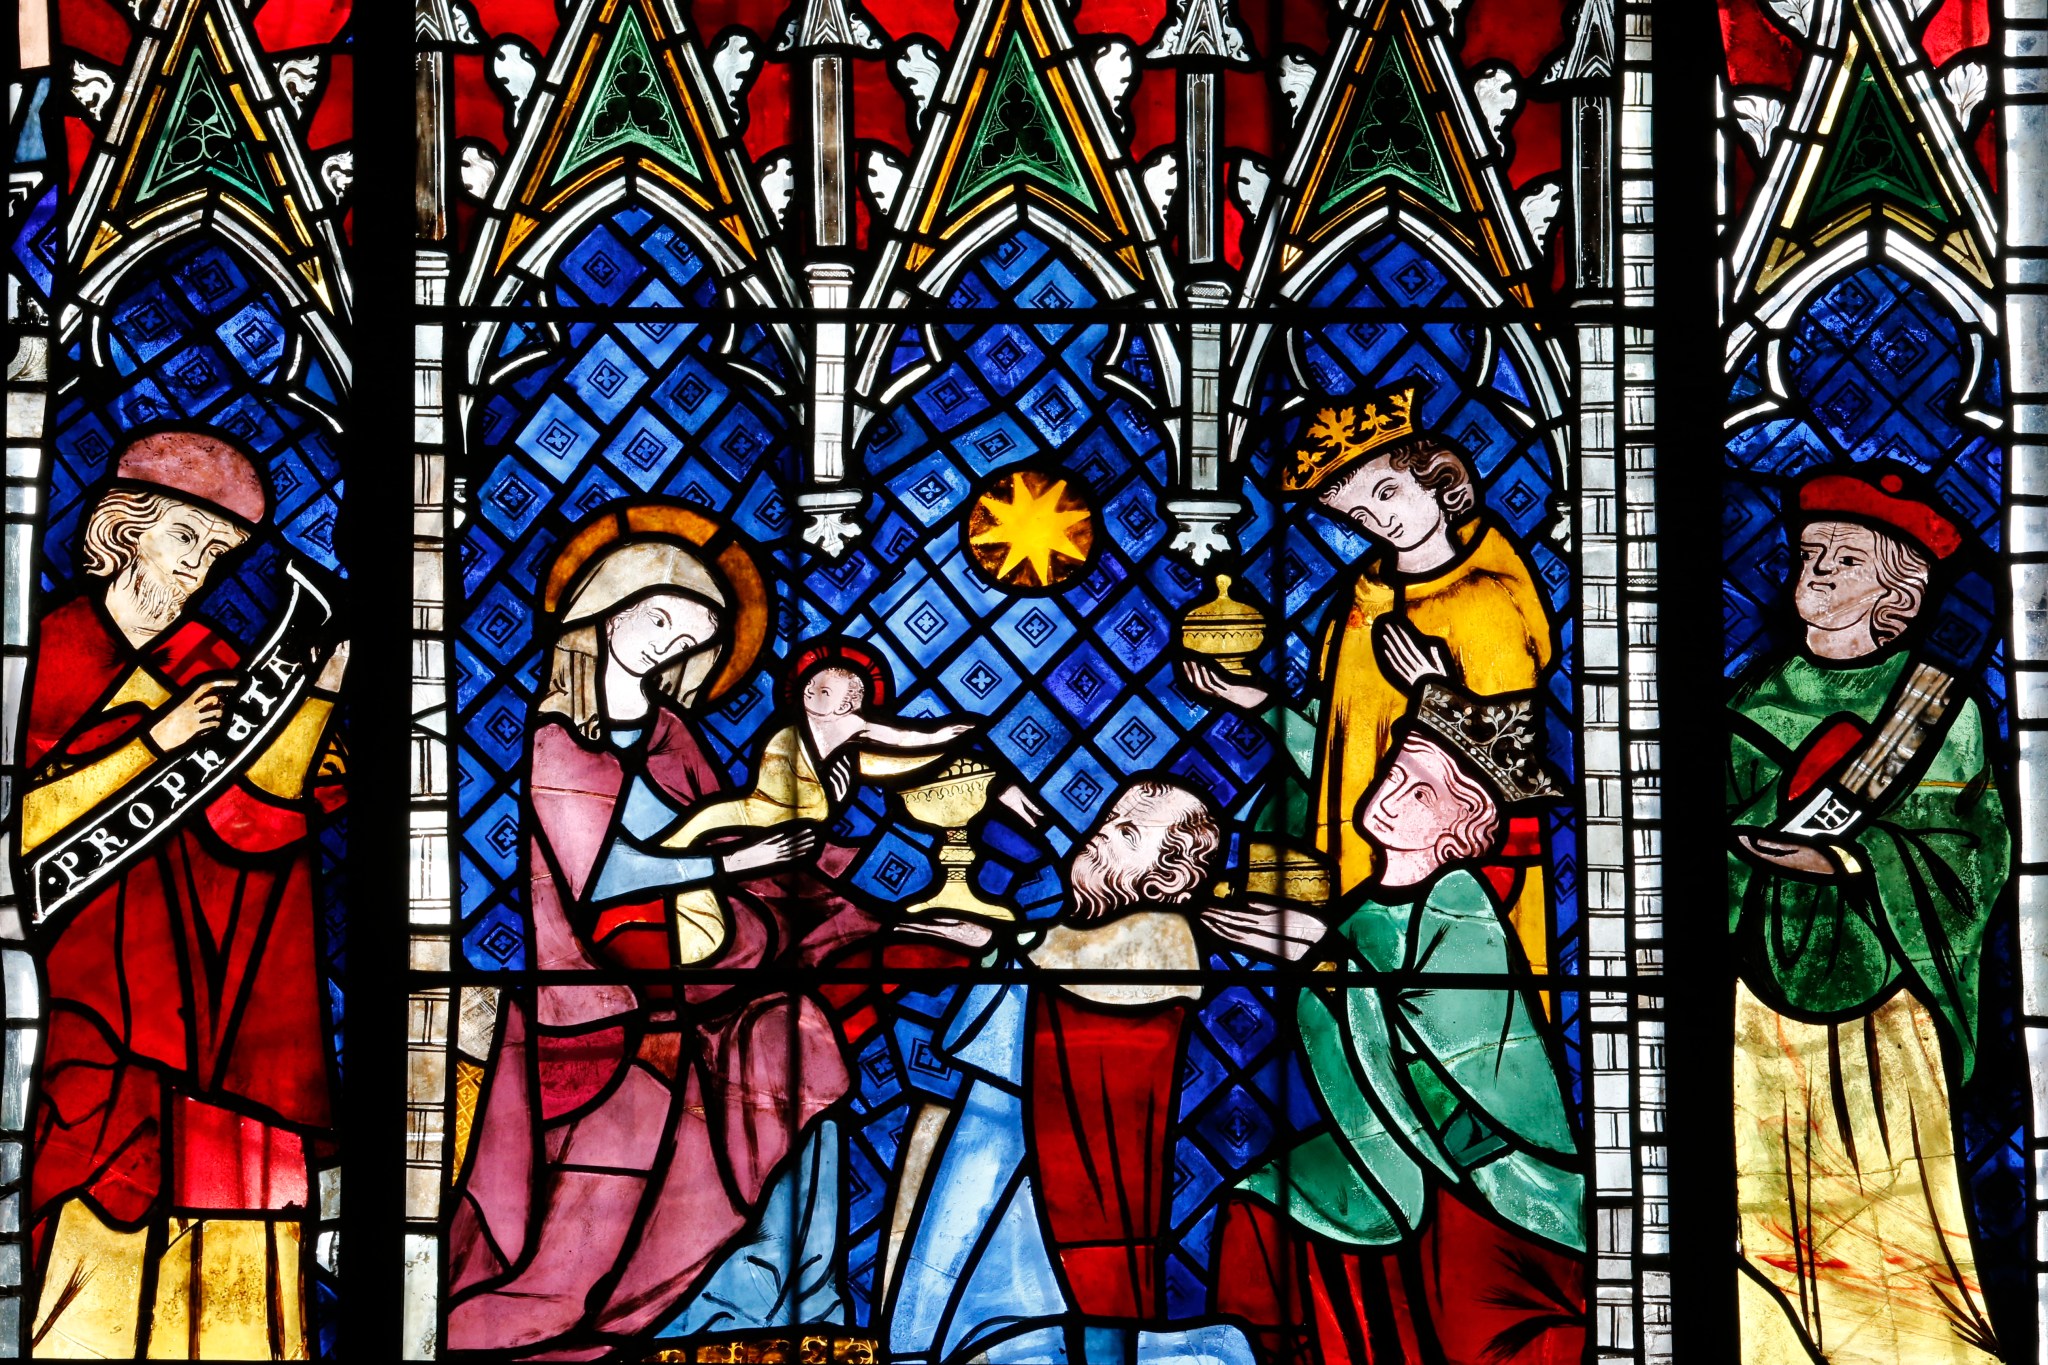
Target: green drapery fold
(1933,862)
(1454,1085)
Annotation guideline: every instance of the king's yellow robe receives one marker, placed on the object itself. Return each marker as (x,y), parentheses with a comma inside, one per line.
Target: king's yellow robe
(1486,608)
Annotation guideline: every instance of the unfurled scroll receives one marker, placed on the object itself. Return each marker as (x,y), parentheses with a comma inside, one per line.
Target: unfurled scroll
(96,848)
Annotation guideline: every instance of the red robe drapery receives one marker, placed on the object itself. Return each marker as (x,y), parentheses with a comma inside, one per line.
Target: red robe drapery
(627,1135)
(193,976)
(1101,1115)
(1468,1291)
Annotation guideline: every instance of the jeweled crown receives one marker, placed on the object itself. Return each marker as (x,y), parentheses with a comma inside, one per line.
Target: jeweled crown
(1340,437)
(1495,736)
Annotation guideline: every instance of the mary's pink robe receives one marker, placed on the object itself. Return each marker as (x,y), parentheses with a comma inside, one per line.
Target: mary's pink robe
(626,1135)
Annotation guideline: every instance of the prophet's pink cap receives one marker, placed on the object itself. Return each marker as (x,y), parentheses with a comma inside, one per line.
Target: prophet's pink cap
(198,468)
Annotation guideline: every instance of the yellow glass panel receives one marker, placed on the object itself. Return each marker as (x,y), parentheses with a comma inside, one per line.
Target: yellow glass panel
(282,769)
(138,686)
(1848,1190)
(469,1080)
(92,1293)
(216,1298)
(1529,916)
(51,808)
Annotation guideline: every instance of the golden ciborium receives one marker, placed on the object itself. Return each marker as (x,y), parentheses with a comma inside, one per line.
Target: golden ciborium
(1275,870)
(1278,872)
(1225,629)
(949,801)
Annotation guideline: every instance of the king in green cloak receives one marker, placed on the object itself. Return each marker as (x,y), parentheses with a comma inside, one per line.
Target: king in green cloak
(1444,1199)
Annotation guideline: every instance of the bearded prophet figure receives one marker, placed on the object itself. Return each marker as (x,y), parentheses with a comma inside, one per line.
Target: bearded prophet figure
(630,1136)
(1857,1006)
(183,1090)
(1445,591)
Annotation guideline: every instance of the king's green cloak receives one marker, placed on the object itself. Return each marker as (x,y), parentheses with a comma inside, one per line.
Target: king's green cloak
(1453,1084)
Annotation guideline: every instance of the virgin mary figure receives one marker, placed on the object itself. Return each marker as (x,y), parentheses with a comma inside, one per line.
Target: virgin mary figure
(629,1136)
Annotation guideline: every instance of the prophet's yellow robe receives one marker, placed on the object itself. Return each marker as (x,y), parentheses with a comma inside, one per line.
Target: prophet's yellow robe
(1486,608)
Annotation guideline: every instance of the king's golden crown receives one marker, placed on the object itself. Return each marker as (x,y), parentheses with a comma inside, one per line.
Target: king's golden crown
(1340,437)
(1496,736)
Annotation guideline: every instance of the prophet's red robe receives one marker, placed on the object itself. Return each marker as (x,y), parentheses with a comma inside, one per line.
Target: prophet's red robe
(627,1135)
(186,1060)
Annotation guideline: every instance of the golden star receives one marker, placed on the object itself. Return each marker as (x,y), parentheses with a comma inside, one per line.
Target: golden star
(1032,527)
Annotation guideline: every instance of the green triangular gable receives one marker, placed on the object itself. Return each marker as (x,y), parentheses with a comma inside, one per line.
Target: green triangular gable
(1019,132)
(202,136)
(1873,152)
(628,105)
(1390,136)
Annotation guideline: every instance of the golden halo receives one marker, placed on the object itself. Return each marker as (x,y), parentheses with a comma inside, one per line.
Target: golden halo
(723,551)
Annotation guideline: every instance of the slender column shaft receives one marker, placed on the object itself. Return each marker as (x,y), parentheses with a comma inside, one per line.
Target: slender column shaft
(831,178)
(1199,178)
(2023,117)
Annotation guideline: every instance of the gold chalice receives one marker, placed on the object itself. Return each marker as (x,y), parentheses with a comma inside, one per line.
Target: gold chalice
(1225,629)
(949,801)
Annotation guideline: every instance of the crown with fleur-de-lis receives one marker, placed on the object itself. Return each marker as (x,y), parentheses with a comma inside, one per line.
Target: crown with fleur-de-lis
(1495,736)
(1339,438)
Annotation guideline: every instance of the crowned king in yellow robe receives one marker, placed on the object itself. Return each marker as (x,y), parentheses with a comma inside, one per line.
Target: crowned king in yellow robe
(1486,608)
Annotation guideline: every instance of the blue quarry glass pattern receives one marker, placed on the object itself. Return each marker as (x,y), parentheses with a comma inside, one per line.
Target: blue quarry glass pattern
(594,412)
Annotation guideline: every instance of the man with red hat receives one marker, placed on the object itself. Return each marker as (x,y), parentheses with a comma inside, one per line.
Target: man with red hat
(184,1086)
(1869,848)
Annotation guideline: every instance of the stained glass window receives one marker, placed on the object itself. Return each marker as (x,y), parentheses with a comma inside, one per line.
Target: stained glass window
(1872,785)
(1065,460)
(175,652)
(1026,672)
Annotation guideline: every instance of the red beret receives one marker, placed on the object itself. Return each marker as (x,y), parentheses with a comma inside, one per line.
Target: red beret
(196,468)
(1880,499)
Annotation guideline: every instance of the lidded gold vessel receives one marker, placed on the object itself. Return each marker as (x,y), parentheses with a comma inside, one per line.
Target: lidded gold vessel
(1225,629)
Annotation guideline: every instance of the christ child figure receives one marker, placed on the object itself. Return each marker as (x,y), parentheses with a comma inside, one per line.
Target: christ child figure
(840,730)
